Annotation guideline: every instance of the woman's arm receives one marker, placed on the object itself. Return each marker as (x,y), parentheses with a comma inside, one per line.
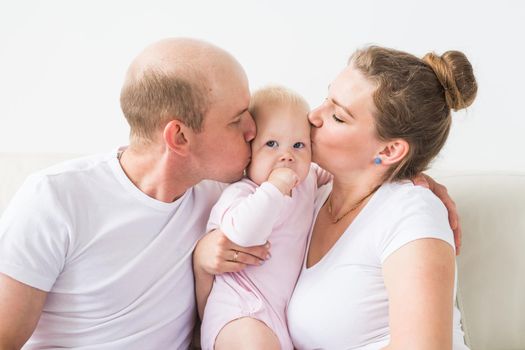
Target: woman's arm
(419,278)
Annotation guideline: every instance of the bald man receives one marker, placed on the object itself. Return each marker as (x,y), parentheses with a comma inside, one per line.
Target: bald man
(96,253)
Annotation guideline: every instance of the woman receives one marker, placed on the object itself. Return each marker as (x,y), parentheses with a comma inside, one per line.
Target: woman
(379,270)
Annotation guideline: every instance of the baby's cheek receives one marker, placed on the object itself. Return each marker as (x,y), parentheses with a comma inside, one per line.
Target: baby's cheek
(257,172)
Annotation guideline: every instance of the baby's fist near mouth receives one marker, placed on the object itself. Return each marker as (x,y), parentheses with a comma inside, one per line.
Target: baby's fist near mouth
(285,179)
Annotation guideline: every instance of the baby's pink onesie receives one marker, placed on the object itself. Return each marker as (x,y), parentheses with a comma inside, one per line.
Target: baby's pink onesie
(250,215)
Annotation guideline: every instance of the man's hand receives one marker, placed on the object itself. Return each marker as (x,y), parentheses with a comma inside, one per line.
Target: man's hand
(216,254)
(441,192)
(285,179)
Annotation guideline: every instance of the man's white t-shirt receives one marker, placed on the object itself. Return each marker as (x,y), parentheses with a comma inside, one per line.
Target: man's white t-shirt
(116,263)
(341,302)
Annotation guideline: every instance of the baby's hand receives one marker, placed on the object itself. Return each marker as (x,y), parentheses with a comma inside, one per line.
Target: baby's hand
(284,179)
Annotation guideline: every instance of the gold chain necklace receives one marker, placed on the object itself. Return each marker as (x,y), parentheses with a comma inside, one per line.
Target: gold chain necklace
(335,220)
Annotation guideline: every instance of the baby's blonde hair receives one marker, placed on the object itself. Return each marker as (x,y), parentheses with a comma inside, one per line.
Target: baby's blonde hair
(273,95)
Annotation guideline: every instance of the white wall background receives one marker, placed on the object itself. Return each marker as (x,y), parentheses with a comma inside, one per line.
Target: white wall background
(62,62)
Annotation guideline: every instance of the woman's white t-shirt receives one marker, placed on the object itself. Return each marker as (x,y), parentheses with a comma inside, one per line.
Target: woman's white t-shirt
(341,302)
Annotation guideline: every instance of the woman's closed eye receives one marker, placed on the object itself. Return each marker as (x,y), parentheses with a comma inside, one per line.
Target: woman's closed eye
(338,120)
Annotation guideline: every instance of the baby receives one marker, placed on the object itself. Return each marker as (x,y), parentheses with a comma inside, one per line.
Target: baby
(275,202)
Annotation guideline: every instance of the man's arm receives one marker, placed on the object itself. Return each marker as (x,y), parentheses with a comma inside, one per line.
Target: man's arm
(441,192)
(20,309)
(203,285)
(216,254)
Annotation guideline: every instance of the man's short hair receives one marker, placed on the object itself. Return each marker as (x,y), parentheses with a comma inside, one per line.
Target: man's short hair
(154,97)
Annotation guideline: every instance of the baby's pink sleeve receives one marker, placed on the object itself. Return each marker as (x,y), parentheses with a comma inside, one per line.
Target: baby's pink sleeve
(247,216)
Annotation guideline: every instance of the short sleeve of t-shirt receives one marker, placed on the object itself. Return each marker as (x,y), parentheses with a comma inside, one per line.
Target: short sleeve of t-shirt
(415,213)
(34,234)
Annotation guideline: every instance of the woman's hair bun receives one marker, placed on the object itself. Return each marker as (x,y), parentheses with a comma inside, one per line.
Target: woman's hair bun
(455,74)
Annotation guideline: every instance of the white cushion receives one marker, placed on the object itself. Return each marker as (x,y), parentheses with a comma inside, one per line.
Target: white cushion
(491,264)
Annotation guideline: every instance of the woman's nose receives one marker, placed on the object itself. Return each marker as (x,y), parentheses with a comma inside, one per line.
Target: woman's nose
(315,117)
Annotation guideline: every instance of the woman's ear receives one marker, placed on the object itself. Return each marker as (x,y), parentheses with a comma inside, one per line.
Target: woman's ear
(176,137)
(394,152)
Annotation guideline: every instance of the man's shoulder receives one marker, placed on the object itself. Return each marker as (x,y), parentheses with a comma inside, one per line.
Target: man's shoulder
(54,191)
(70,175)
(75,165)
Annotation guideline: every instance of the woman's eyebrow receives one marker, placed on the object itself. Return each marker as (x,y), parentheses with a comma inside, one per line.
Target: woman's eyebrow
(340,105)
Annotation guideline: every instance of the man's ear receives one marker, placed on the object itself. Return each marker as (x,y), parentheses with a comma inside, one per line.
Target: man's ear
(394,152)
(177,136)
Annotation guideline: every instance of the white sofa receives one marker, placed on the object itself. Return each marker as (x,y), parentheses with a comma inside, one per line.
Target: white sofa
(491,290)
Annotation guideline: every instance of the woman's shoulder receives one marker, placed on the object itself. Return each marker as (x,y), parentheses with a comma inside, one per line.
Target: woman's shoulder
(404,195)
(412,212)
(409,207)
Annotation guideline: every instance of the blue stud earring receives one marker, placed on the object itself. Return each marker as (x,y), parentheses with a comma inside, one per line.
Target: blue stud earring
(377,160)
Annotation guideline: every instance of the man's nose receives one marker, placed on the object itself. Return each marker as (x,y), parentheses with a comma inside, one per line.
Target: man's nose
(249,127)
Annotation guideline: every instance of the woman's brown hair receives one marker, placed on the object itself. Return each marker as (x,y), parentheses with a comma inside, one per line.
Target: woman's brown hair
(414,98)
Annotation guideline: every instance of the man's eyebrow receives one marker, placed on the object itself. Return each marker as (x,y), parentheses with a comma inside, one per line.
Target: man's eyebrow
(340,105)
(240,113)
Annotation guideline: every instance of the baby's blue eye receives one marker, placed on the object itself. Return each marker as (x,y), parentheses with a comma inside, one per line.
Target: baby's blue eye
(271,143)
(299,145)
